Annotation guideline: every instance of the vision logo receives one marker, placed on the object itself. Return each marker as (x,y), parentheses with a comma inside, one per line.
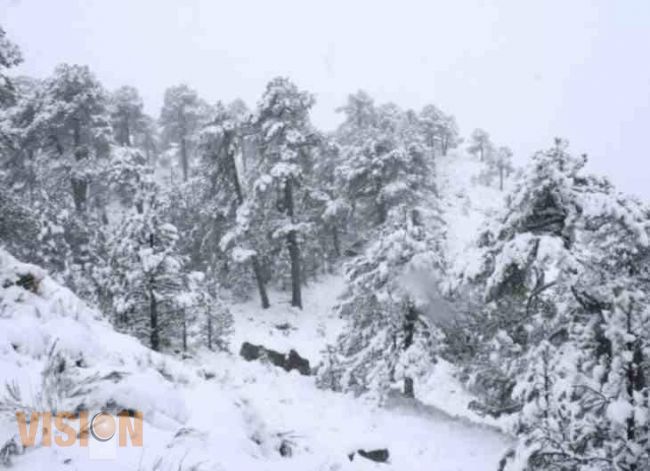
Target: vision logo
(102,431)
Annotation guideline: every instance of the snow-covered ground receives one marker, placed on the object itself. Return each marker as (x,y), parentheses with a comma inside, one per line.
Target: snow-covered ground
(467,206)
(216,411)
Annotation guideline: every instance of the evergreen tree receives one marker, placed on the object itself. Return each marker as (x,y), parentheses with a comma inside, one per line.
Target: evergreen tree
(181,118)
(389,336)
(440,131)
(148,276)
(285,141)
(480,144)
(10,56)
(221,143)
(127,115)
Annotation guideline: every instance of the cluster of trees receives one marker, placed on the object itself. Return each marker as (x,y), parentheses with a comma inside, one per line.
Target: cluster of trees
(158,220)
(497,159)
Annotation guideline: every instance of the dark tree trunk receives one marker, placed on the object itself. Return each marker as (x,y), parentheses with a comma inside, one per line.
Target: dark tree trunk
(209,332)
(635,377)
(127,132)
(335,240)
(409,332)
(501,171)
(255,261)
(294,249)
(79,194)
(79,185)
(184,331)
(259,279)
(184,157)
(154,336)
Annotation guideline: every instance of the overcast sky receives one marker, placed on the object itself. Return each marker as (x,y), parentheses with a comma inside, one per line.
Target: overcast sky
(526,71)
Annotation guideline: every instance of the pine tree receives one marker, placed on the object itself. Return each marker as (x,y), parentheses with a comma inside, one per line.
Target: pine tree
(181,118)
(439,130)
(563,329)
(10,56)
(222,146)
(148,276)
(75,115)
(389,336)
(285,141)
(127,115)
(480,144)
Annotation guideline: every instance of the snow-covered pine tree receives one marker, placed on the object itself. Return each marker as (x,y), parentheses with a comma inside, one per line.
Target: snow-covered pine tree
(206,320)
(330,208)
(182,116)
(480,144)
(10,56)
(127,115)
(228,200)
(382,158)
(285,139)
(528,266)
(609,337)
(390,337)
(439,130)
(563,328)
(147,275)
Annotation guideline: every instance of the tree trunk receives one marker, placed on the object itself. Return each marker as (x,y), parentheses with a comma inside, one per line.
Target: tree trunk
(79,185)
(209,332)
(184,157)
(501,170)
(255,261)
(294,249)
(154,336)
(335,240)
(184,331)
(127,133)
(409,332)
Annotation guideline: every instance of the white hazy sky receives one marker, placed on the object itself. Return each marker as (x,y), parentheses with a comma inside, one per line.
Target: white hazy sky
(526,71)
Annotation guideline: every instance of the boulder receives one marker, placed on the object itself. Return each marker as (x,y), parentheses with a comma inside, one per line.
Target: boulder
(380,455)
(288,362)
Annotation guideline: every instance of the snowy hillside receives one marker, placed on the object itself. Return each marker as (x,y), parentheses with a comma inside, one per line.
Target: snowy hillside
(214,411)
(467,205)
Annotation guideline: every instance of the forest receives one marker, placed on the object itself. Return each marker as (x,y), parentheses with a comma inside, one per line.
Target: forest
(184,233)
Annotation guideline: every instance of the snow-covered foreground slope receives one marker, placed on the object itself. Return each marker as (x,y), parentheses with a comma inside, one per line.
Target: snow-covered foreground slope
(214,411)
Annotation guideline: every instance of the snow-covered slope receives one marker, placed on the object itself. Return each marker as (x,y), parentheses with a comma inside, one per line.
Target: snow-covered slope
(214,411)
(467,206)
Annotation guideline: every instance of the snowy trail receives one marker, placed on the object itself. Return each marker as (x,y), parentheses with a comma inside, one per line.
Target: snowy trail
(324,427)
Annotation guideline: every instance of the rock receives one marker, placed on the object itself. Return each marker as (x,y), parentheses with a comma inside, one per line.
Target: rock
(250,352)
(296,362)
(285,449)
(292,361)
(379,456)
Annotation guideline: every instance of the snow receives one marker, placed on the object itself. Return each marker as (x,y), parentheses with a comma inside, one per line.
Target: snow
(216,411)
(468,207)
